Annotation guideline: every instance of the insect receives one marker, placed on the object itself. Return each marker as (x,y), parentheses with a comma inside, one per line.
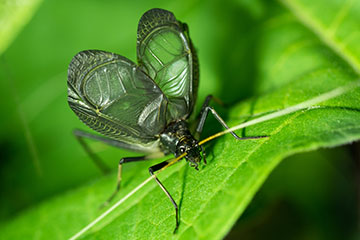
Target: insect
(143,107)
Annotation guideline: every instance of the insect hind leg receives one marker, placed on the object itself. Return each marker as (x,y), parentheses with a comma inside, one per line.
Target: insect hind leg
(80,136)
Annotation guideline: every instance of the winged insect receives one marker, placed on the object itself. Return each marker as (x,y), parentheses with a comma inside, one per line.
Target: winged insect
(143,107)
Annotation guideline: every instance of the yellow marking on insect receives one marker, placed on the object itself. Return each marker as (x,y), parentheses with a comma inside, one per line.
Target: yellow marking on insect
(181,139)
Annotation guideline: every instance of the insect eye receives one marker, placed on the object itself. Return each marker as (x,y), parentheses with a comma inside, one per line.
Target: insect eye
(182,149)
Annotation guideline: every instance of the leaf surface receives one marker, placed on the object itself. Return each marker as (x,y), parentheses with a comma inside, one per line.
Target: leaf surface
(303,51)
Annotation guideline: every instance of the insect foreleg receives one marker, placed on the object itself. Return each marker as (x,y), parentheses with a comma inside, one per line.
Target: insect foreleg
(156,168)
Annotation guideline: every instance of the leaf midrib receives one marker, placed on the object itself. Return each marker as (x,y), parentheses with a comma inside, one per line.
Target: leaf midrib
(320,31)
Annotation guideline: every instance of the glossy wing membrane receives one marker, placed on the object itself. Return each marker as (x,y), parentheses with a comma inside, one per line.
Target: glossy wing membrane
(113,96)
(166,54)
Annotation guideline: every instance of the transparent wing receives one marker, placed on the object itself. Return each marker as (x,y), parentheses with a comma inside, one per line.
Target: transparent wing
(114,97)
(166,54)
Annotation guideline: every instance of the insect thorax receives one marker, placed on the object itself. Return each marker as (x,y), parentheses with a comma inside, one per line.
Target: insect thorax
(177,139)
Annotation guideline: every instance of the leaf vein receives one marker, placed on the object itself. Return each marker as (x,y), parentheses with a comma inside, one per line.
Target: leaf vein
(320,31)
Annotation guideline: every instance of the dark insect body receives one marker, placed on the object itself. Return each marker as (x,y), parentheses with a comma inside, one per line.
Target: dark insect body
(145,107)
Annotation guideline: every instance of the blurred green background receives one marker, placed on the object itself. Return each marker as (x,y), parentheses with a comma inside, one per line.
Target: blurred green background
(40,157)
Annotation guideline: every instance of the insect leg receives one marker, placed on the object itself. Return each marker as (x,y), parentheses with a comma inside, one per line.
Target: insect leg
(203,115)
(118,184)
(156,168)
(80,135)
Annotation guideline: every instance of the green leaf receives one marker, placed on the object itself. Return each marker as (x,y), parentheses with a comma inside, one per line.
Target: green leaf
(297,60)
(13,17)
